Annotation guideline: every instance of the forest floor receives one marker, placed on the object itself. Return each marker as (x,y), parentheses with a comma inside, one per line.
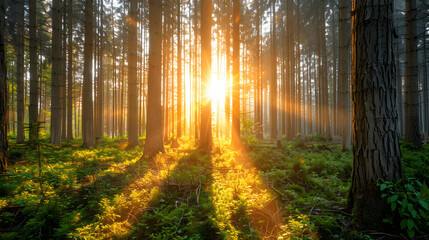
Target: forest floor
(290,190)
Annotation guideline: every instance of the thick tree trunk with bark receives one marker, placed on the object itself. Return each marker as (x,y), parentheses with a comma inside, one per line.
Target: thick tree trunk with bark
(206,126)
(412,132)
(154,129)
(87,103)
(33,110)
(236,138)
(56,73)
(133,138)
(376,153)
(3,92)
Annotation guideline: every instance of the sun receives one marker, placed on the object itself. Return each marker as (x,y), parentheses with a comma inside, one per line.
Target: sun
(217,89)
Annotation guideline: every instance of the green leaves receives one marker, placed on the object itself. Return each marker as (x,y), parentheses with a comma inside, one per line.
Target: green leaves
(406,199)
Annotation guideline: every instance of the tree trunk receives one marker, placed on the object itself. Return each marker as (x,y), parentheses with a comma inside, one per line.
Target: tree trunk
(154,130)
(179,73)
(412,132)
(133,138)
(324,78)
(70,73)
(56,73)
(206,128)
(100,80)
(236,139)
(273,82)
(3,92)
(376,153)
(87,103)
(20,108)
(33,110)
(343,82)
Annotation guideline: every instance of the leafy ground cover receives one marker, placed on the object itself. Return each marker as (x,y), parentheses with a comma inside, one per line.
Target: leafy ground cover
(286,190)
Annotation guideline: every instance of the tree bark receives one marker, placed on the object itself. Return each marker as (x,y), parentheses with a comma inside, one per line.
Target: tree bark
(133,138)
(33,110)
(70,72)
(236,139)
(56,73)
(376,153)
(206,128)
(87,103)
(3,92)
(343,82)
(20,108)
(412,132)
(273,82)
(154,130)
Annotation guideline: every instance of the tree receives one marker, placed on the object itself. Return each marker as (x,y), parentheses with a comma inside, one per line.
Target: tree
(3,93)
(87,104)
(206,115)
(56,73)
(133,138)
(376,153)
(273,82)
(343,81)
(70,71)
(236,139)
(412,132)
(19,46)
(179,73)
(154,129)
(33,110)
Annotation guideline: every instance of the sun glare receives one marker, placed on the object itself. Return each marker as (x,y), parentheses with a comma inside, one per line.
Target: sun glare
(216,89)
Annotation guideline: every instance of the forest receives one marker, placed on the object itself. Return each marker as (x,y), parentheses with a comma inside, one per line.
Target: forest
(214,119)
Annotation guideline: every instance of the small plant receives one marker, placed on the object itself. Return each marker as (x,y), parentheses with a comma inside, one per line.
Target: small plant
(409,199)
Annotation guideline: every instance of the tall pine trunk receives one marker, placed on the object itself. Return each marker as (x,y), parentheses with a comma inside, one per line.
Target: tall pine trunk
(87,103)
(412,132)
(343,80)
(132,76)
(154,130)
(56,73)
(376,153)
(206,126)
(273,82)
(236,139)
(33,111)
(20,107)
(70,71)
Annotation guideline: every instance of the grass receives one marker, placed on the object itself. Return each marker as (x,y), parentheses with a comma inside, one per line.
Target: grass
(295,190)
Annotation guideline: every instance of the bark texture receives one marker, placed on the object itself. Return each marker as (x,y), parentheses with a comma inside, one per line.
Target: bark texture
(343,81)
(376,153)
(133,138)
(56,73)
(33,110)
(87,102)
(236,139)
(20,107)
(206,126)
(154,129)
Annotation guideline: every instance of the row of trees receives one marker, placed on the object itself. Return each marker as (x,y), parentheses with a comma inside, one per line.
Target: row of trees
(291,74)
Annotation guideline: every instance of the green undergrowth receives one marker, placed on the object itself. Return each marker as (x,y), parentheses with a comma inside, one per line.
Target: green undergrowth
(286,190)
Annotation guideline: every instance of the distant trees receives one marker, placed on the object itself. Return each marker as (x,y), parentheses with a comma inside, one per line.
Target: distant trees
(412,131)
(87,102)
(376,153)
(154,129)
(3,93)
